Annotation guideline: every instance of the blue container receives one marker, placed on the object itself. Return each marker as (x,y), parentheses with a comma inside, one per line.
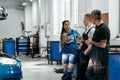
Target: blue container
(53,51)
(9,47)
(114,66)
(56,55)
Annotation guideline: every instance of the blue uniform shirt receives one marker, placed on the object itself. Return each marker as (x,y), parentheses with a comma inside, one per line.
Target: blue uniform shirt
(70,46)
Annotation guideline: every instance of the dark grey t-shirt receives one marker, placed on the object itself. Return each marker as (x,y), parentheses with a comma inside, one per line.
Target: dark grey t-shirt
(102,32)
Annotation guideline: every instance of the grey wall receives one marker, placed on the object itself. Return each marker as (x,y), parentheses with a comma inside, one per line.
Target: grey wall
(11,27)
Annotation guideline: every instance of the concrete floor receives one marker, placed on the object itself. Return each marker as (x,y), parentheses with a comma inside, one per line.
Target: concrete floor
(38,69)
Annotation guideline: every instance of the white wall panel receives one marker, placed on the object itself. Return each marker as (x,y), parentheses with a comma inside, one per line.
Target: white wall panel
(35,13)
(86,6)
(42,23)
(114,17)
(28,17)
(35,16)
(97,4)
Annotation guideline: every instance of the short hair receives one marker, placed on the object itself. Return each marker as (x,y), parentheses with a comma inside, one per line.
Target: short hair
(89,16)
(97,14)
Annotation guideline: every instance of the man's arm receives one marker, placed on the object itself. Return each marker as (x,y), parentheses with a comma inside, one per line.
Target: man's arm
(101,44)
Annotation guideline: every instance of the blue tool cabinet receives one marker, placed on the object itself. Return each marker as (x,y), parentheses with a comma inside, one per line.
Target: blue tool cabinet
(53,52)
(9,46)
(114,63)
(114,66)
(22,45)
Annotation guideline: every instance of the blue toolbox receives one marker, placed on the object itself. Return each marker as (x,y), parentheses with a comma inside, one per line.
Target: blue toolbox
(114,63)
(22,45)
(9,46)
(53,53)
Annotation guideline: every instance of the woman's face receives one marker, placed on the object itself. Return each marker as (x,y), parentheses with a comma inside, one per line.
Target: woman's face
(66,26)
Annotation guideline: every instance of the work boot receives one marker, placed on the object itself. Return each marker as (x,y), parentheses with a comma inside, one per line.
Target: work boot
(66,75)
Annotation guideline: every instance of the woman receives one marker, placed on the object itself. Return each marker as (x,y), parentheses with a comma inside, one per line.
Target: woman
(69,40)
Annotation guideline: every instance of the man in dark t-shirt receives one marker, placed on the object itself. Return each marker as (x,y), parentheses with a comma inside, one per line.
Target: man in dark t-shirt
(98,63)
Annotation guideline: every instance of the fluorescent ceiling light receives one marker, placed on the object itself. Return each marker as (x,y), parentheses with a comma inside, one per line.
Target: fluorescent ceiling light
(31,0)
(24,3)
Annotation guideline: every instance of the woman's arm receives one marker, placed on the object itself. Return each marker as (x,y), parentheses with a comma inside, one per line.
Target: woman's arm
(63,38)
